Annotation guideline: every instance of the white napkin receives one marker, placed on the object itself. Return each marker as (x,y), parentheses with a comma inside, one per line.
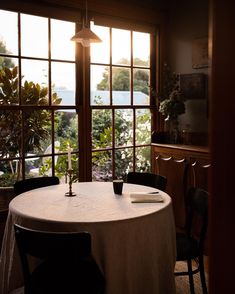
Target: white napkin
(145,197)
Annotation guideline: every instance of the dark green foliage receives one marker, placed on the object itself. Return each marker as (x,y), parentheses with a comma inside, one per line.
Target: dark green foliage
(36,123)
(5,61)
(121,78)
(170,97)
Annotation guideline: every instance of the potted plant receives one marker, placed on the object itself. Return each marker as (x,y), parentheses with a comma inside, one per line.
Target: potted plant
(171,103)
(36,122)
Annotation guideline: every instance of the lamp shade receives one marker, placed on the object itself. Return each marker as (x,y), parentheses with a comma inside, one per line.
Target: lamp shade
(85,37)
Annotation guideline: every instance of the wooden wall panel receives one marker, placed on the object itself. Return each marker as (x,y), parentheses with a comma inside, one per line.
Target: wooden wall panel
(184,166)
(175,172)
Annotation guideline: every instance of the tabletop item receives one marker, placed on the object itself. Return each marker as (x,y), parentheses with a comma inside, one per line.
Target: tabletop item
(128,241)
(117,186)
(145,197)
(70,193)
(69,158)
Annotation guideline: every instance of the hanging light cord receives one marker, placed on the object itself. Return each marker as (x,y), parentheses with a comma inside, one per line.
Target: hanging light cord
(85,36)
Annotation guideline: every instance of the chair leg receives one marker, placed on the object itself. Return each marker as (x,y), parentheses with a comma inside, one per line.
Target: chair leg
(190,276)
(202,275)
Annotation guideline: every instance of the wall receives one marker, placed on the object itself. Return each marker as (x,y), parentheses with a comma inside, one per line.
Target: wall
(70,9)
(187,21)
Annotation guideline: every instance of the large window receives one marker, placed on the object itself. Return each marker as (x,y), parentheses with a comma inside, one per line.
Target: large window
(38,117)
(42,104)
(120,100)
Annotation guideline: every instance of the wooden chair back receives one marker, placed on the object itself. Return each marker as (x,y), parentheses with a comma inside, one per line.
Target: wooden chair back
(34,183)
(147,179)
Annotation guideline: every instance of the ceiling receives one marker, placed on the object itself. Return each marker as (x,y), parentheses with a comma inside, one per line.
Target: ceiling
(160,4)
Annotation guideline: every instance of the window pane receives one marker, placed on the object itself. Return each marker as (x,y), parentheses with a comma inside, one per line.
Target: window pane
(7,62)
(123,162)
(121,86)
(100,77)
(31,164)
(42,166)
(61,167)
(123,127)
(66,129)
(63,81)
(143,159)
(39,74)
(101,128)
(121,47)
(101,166)
(100,51)
(61,45)
(37,131)
(7,175)
(141,49)
(9,36)
(10,133)
(143,126)
(34,36)
(141,86)
(9,87)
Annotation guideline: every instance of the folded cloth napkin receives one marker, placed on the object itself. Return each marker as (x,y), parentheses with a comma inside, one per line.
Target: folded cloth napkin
(145,197)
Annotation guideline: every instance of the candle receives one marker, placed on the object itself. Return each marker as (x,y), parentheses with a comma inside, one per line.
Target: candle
(69,157)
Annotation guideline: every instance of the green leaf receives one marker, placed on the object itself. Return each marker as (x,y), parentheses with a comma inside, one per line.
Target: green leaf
(8,73)
(15,72)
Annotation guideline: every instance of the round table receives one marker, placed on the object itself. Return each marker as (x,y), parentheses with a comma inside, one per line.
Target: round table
(133,243)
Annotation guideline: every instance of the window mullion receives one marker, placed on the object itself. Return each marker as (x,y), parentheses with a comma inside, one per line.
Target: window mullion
(85,144)
(132,100)
(111,102)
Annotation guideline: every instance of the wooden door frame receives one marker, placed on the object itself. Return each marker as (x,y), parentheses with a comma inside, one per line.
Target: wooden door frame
(222,145)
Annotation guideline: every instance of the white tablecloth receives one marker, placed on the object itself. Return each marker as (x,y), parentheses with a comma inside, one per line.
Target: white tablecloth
(133,243)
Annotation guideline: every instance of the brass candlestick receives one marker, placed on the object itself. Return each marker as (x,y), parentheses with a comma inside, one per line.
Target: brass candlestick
(70,193)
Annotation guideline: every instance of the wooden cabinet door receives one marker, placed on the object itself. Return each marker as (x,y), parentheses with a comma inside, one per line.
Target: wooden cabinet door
(200,174)
(175,171)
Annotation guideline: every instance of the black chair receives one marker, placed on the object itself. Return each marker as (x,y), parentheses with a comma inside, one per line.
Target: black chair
(190,245)
(147,179)
(34,183)
(65,263)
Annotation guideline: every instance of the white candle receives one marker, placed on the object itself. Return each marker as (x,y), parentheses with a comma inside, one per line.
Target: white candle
(69,157)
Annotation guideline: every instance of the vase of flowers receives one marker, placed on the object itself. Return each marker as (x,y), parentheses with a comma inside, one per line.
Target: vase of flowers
(171,104)
(171,130)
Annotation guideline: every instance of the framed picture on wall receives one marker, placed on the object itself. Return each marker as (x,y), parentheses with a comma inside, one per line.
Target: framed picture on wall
(200,53)
(193,86)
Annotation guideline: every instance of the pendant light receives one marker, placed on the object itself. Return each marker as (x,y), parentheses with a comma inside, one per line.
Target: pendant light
(86,36)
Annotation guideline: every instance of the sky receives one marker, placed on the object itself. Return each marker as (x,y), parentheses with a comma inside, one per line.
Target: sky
(34,36)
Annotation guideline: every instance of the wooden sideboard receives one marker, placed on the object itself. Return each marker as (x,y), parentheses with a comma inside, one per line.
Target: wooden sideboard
(184,166)
(191,152)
